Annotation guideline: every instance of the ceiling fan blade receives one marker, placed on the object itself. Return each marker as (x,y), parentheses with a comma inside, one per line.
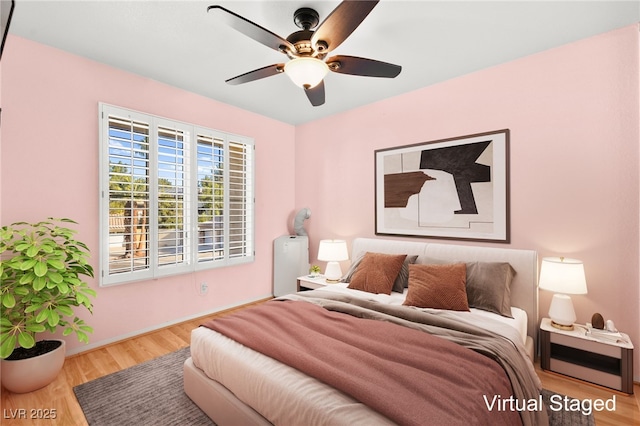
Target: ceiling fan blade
(251,29)
(263,72)
(316,94)
(362,66)
(340,23)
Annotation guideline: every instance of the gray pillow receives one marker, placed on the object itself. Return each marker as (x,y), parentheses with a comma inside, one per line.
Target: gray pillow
(489,286)
(346,278)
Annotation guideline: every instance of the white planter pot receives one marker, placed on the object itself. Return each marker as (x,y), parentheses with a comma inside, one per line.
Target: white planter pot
(26,375)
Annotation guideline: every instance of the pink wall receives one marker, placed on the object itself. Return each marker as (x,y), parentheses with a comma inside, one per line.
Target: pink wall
(49,168)
(574,120)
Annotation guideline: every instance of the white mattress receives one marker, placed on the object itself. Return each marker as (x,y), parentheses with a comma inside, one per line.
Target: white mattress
(272,388)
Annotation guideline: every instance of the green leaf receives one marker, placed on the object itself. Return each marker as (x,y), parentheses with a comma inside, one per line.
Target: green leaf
(65,310)
(47,248)
(32,251)
(28,264)
(8,301)
(55,277)
(39,283)
(42,316)
(83,300)
(67,331)
(22,246)
(27,278)
(21,291)
(7,346)
(82,337)
(63,288)
(35,328)
(40,269)
(32,308)
(54,318)
(73,281)
(56,263)
(26,340)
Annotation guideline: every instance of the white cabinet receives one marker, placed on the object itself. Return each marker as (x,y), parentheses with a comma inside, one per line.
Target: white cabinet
(290,260)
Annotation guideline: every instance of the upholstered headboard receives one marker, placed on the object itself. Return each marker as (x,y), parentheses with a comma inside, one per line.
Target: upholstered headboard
(524,287)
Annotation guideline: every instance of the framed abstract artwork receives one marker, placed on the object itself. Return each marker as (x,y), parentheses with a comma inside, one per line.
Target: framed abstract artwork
(455,188)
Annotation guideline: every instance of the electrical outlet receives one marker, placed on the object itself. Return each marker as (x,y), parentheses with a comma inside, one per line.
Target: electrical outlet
(204,287)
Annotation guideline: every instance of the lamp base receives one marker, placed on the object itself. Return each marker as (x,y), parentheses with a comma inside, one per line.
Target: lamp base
(561,312)
(562,326)
(333,272)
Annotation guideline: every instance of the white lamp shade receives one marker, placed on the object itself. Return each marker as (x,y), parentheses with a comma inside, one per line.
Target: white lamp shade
(562,275)
(333,251)
(306,72)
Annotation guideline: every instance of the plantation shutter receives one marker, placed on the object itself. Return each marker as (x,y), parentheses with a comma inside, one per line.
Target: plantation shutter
(240,200)
(128,194)
(211,235)
(172,210)
(225,198)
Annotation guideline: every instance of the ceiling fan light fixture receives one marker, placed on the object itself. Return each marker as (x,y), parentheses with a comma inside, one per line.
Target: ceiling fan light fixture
(306,72)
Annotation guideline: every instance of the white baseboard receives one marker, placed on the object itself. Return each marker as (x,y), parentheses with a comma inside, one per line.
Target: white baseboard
(105,342)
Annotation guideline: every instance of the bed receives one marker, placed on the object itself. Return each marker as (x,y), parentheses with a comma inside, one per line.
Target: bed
(308,357)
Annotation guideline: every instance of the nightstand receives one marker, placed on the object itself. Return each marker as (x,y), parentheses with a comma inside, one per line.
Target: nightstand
(307,282)
(573,353)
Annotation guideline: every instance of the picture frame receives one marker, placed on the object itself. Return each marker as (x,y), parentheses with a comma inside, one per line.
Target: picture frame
(455,188)
(6,12)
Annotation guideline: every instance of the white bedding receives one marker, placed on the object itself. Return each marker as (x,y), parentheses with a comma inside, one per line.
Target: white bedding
(518,322)
(272,388)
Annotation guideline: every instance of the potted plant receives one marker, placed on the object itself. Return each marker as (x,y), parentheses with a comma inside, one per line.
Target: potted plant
(41,282)
(314,271)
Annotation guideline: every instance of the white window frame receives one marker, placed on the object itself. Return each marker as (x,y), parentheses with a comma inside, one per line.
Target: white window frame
(190,261)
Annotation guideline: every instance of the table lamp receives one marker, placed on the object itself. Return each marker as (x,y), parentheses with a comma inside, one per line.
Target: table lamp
(333,251)
(562,276)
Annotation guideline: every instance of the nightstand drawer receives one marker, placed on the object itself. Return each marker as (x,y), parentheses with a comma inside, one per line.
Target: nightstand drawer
(585,373)
(586,345)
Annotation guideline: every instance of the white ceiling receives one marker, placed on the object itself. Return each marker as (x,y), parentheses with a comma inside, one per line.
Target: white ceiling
(178,43)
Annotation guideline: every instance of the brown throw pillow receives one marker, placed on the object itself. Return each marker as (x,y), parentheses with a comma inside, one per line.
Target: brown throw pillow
(377,272)
(402,280)
(438,287)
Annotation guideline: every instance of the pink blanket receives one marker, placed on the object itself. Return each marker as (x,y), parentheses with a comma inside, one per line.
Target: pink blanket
(409,376)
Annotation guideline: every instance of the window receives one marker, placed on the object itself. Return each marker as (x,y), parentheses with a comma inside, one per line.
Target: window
(174,197)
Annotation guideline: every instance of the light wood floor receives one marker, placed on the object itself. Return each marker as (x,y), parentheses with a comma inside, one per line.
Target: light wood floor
(59,398)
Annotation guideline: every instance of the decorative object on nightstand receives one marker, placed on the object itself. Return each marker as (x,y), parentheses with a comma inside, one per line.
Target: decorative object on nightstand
(562,276)
(314,271)
(597,321)
(333,251)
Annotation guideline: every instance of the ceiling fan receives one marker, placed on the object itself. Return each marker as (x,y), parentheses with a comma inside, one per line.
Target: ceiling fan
(308,48)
